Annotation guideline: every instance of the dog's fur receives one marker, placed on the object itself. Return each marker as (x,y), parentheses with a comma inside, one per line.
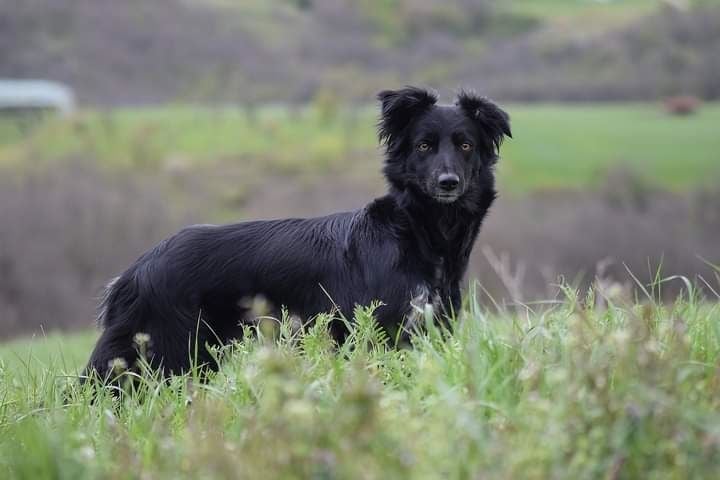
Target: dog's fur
(409,246)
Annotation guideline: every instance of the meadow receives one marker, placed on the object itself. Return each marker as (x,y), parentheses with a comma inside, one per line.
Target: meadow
(585,387)
(553,146)
(617,380)
(593,384)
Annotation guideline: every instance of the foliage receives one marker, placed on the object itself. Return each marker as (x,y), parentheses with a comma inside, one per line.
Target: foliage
(589,388)
(65,231)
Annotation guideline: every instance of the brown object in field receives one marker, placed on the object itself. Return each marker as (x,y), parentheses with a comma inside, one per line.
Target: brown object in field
(682,105)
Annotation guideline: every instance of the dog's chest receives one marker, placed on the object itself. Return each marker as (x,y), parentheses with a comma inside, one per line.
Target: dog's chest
(426,299)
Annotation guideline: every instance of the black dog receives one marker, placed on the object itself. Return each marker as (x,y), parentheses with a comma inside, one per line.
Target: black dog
(410,246)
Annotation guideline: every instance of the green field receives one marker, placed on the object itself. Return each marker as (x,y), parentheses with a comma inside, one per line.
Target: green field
(60,351)
(554,146)
(575,391)
(573,146)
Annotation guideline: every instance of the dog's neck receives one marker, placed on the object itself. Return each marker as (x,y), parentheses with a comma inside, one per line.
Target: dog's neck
(444,231)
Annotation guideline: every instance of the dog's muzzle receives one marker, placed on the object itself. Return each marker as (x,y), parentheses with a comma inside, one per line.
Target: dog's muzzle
(448,188)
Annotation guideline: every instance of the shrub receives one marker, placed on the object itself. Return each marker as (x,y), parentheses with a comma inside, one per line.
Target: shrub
(682,105)
(63,233)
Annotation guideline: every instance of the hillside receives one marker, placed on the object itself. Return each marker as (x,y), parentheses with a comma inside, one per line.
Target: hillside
(139,52)
(580,184)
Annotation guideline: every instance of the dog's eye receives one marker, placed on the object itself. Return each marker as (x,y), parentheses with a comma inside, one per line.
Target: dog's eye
(466,147)
(423,147)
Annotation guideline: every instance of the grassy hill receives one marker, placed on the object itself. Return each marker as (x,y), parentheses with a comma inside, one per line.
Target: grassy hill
(583,10)
(580,184)
(577,391)
(216,51)
(554,147)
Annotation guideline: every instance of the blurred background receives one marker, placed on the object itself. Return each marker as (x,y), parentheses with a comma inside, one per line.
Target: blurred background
(122,121)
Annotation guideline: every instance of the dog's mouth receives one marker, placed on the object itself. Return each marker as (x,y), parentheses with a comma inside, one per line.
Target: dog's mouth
(447,197)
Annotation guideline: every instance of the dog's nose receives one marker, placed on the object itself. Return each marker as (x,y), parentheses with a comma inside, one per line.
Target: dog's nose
(448,181)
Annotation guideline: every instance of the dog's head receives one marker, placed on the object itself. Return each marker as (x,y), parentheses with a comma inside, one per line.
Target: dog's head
(439,151)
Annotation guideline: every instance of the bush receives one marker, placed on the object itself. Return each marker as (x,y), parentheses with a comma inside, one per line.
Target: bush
(682,105)
(65,232)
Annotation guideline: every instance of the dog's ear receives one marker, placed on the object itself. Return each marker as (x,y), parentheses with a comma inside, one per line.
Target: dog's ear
(492,120)
(398,108)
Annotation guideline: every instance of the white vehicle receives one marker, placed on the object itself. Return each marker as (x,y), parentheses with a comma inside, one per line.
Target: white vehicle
(35,95)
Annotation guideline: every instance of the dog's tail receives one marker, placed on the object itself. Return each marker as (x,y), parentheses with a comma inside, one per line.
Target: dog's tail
(110,290)
(141,316)
(121,311)
(126,301)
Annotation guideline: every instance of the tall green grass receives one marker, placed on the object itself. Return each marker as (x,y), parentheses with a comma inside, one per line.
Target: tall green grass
(588,388)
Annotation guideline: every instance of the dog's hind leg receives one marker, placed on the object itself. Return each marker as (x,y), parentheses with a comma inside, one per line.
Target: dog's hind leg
(170,346)
(113,354)
(139,320)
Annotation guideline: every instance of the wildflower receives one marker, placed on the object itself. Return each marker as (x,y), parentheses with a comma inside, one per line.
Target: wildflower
(117,365)
(141,339)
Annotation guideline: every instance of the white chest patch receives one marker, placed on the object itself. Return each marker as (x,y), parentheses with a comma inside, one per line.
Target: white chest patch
(424,301)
